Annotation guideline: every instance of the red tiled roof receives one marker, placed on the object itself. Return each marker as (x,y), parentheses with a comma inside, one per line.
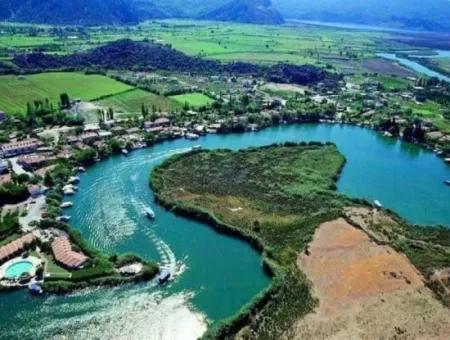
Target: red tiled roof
(62,250)
(15,246)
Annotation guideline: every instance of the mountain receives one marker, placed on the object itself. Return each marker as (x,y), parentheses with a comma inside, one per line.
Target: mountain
(72,12)
(430,15)
(246,11)
(119,12)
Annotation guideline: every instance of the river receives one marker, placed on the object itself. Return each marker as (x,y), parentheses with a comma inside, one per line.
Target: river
(216,274)
(419,68)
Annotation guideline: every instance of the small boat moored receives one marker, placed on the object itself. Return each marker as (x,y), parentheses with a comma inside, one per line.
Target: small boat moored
(150,213)
(377,204)
(447,182)
(164,277)
(74,179)
(192,136)
(35,289)
(125,152)
(66,205)
(63,218)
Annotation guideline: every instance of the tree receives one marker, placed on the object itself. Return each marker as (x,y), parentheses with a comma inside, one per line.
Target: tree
(64,101)
(110,113)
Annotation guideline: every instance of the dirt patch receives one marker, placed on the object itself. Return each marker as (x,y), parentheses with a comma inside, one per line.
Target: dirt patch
(365,290)
(285,87)
(386,67)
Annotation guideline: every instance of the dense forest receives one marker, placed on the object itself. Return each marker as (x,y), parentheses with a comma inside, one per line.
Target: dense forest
(150,56)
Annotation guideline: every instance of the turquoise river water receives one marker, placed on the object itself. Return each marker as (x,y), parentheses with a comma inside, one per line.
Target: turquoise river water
(215,274)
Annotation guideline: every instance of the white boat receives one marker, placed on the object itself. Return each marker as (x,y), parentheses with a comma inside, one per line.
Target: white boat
(69,192)
(66,205)
(192,136)
(447,182)
(377,204)
(74,179)
(70,187)
(81,169)
(164,276)
(150,213)
(63,218)
(125,152)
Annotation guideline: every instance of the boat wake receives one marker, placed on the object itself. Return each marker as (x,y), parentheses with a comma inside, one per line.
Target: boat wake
(140,315)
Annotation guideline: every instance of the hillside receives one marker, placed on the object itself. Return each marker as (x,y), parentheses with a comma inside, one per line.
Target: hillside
(246,11)
(119,12)
(73,12)
(429,15)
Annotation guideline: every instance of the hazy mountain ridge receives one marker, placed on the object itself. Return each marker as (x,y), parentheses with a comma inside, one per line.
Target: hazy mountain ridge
(432,15)
(246,11)
(116,12)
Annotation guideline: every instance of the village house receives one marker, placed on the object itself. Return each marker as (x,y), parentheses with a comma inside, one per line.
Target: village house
(65,256)
(33,161)
(89,137)
(158,123)
(19,148)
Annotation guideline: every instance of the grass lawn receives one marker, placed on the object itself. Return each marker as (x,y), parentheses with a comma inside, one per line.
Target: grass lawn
(15,92)
(54,270)
(193,99)
(131,102)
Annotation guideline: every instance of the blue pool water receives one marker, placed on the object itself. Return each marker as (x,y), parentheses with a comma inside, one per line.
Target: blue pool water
(17,269)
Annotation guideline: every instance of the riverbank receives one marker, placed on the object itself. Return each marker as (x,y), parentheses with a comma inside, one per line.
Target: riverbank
(238,204)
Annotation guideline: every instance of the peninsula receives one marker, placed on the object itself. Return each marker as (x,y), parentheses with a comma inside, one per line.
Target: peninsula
(282,199)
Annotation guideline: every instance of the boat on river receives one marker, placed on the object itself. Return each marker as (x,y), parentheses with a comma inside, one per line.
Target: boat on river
(150,213)
(447,160)
(35,289)
(125,152)
(66,205)
(377,204)
(63,218)
(447,182)
(164,276)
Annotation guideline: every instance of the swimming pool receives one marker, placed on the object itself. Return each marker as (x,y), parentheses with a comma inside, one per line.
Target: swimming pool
(17,269)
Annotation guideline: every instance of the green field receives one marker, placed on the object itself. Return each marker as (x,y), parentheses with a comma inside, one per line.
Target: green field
(130,102)
(292,42)
(16,92)
(444,63)
(433,111)
(195,100)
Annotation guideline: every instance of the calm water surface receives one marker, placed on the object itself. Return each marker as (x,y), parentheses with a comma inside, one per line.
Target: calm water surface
(216,274)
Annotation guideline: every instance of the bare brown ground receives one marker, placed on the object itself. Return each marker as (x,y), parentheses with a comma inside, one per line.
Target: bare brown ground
(365,291)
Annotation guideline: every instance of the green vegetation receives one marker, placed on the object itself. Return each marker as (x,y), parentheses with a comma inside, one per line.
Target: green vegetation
(17,91)
(9,225)
(275,196)
(194,100)
(131,102)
